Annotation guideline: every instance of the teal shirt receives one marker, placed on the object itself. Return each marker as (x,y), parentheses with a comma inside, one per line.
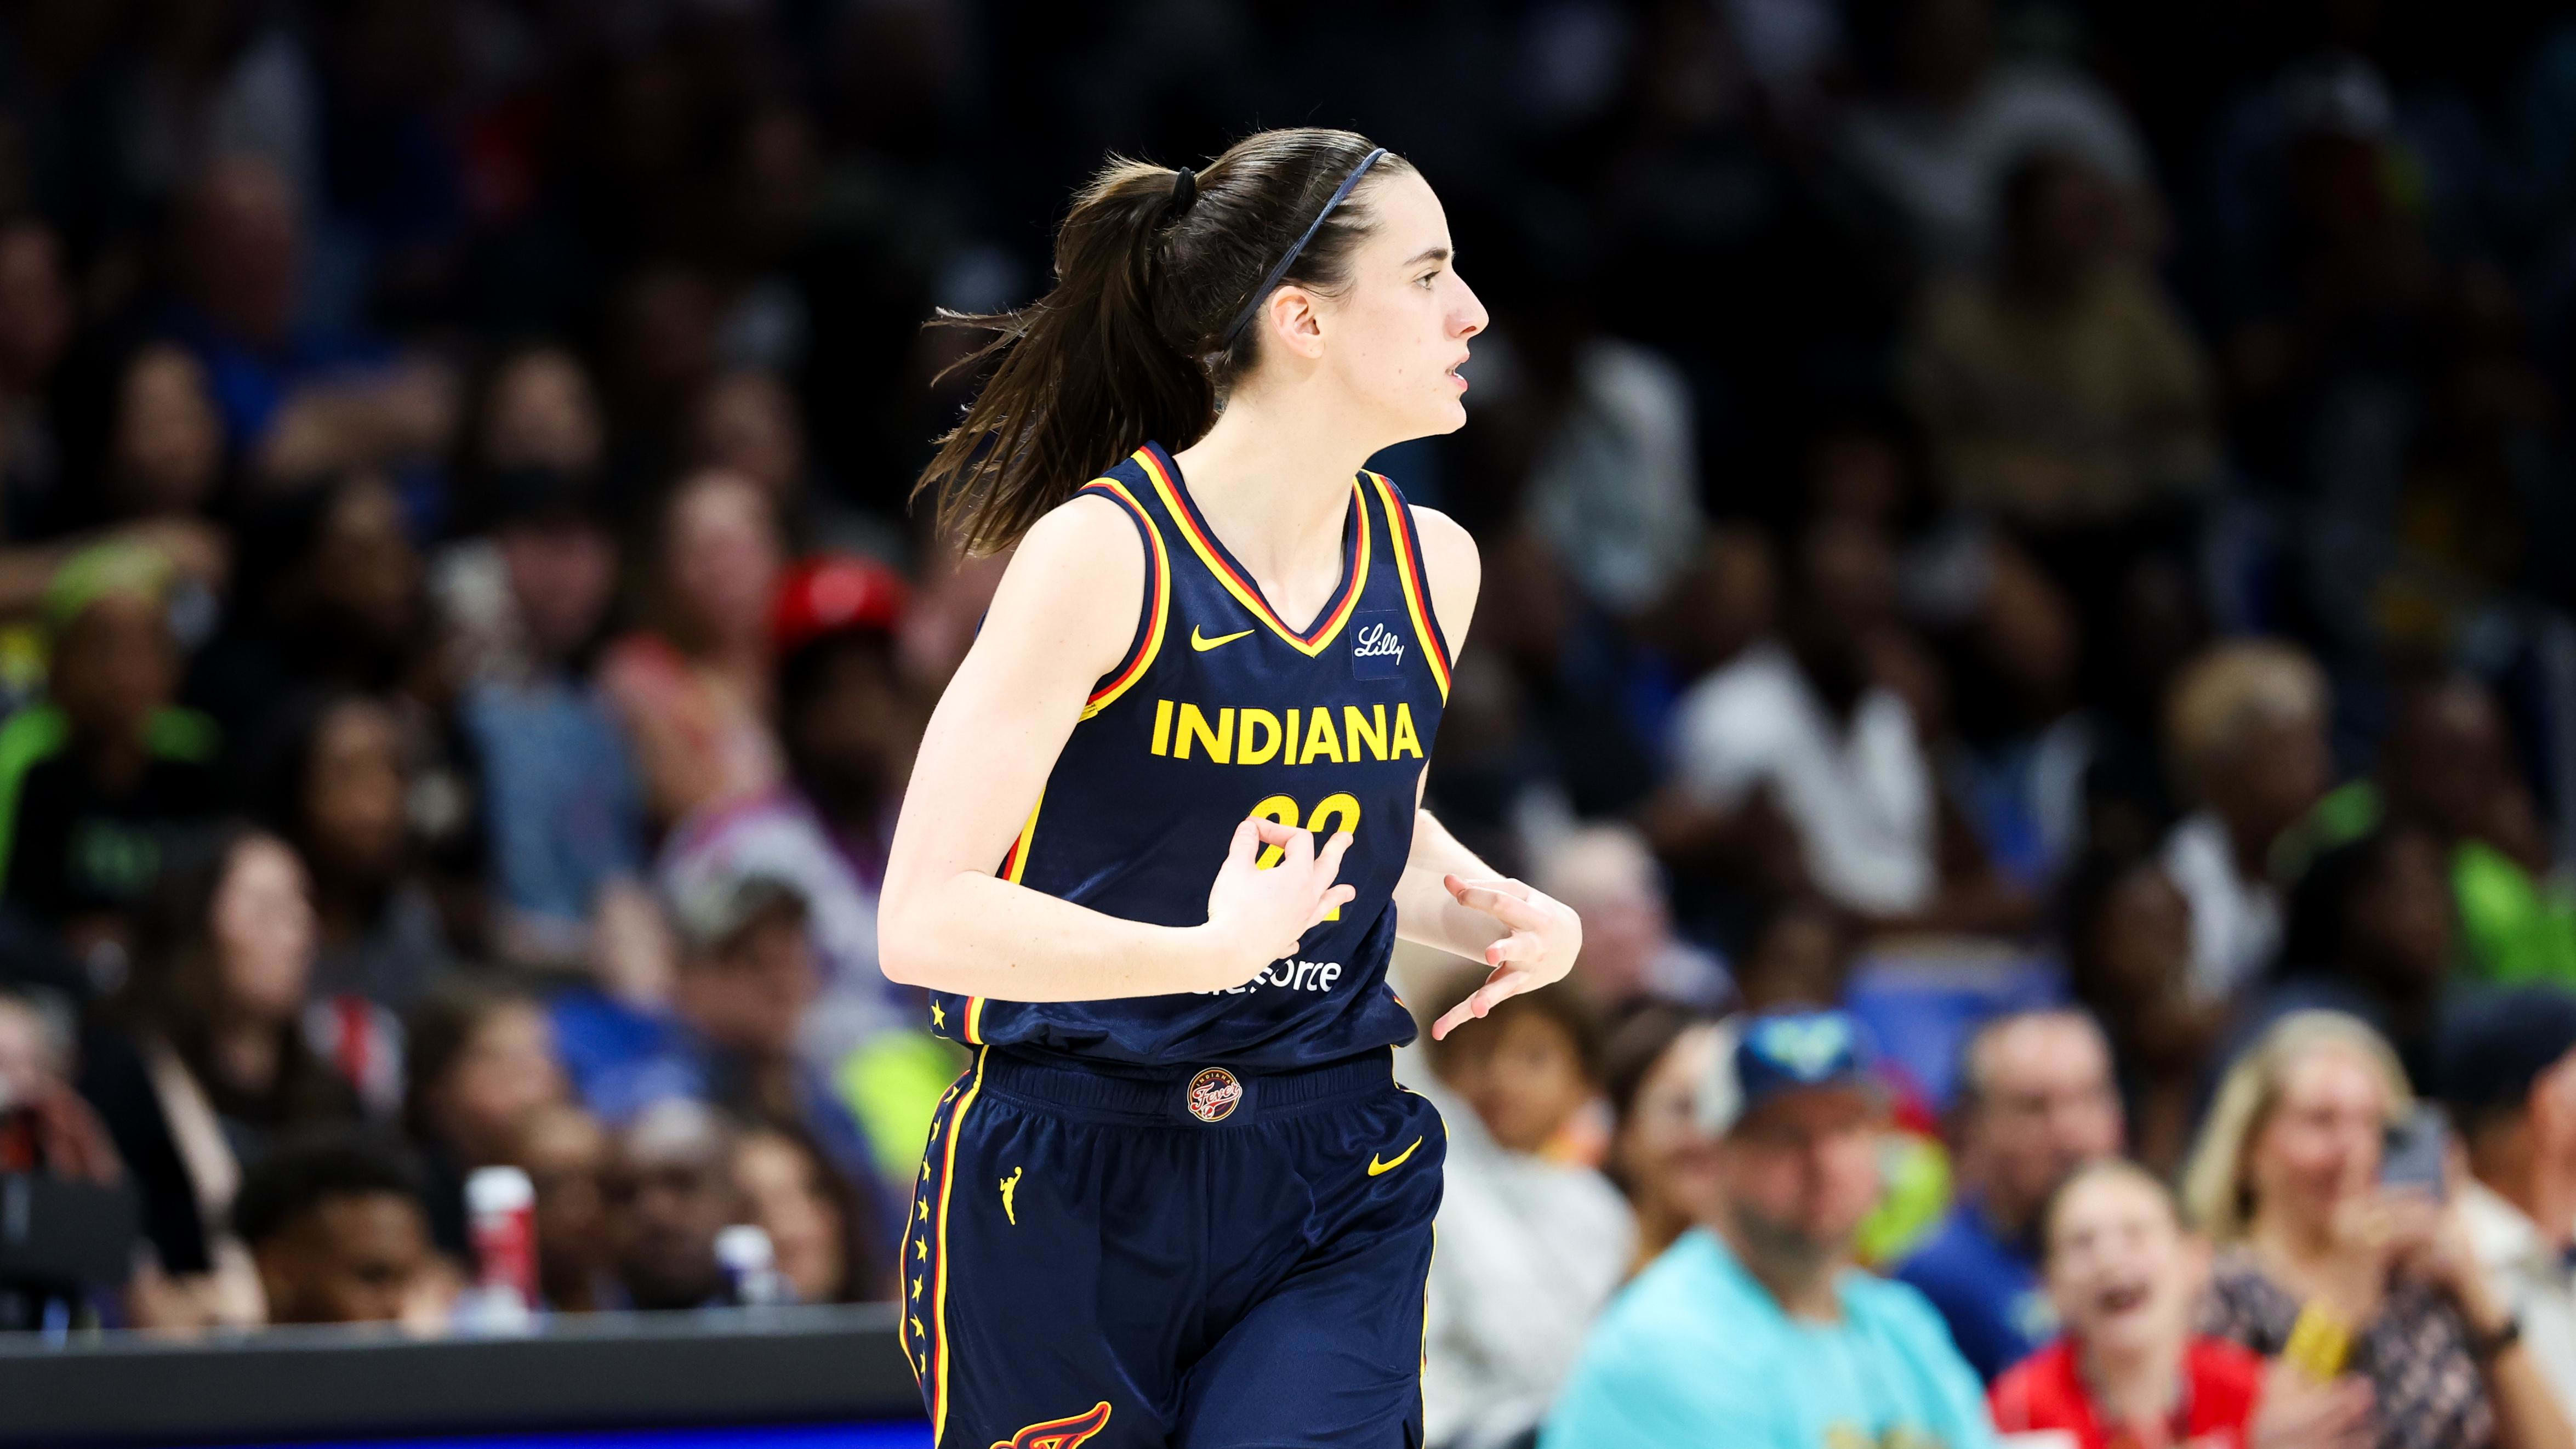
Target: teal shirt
(1696,1352)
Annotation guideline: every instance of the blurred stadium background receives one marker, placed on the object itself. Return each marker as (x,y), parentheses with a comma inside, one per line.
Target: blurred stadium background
(1966,487)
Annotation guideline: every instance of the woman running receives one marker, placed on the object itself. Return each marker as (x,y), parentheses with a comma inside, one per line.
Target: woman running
(1179,1199)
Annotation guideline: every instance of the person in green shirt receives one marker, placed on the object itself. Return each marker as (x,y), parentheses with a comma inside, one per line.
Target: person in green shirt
(2449,763)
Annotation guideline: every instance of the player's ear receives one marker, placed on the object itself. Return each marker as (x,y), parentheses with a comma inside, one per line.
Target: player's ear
(1296,322)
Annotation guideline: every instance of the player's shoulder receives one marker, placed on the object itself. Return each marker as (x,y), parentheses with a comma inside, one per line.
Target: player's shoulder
(1088,528)
(1451,568)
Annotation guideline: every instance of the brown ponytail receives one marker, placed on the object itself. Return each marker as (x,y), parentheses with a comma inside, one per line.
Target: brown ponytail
(1129,345)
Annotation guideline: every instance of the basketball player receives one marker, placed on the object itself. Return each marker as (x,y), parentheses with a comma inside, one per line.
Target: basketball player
(1178,1199)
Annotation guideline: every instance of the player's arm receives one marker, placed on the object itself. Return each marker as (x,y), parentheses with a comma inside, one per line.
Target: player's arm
(1064,616)
(1447,897)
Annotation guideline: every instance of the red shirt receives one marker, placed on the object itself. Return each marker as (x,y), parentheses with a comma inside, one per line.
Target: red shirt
(2221,1384)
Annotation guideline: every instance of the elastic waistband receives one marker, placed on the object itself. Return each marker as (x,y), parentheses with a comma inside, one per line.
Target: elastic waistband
(1199,1096)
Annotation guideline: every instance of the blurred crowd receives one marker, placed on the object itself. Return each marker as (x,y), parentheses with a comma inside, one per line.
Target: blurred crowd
(2037,635)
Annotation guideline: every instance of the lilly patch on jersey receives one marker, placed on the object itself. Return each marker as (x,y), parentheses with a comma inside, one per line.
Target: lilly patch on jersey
(1377,644)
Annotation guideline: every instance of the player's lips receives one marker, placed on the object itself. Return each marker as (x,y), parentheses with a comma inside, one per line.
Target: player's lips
(1453,372)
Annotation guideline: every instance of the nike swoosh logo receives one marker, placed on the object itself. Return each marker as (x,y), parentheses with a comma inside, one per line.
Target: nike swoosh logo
(1203,643)
(1376,1167)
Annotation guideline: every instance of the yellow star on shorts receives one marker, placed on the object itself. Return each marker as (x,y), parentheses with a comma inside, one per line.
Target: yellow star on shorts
(916,1290)
(921,1250)
(938,1015)
(923,1210)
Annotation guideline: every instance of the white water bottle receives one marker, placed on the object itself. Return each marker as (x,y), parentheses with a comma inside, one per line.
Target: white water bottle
(750,1264)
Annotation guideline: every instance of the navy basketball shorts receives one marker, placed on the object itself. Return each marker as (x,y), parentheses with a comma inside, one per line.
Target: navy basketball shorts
(1136,1258)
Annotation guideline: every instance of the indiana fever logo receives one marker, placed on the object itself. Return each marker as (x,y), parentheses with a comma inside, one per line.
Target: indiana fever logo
(1060,1433)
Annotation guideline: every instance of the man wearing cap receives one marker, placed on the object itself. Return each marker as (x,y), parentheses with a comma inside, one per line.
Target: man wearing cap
(1756,1328)
(2508,1075)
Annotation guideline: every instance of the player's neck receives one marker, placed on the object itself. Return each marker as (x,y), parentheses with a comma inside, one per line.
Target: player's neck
(1274,480)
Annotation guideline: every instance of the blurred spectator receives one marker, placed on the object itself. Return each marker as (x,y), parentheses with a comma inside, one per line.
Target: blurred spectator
(1661,1156)
(1799,955)
(211,1062)
(2035,1102)
(297,398)
(747,976)
(2125,1278)
(849,725)
(331,596)
(2286,1181)
(2369,935)
(336,1227)
(848,729)
(2128,960)
(539,412)
(36,326)
(2060,388)
(1609,877)
(479,1061)
(670,1191)
(1801,760)
(94,784)
(340,788)
(566,1155)
(1757,1329)
(2448,765)
(748,422)
(46,1129)
(2245,731)
(1535,1246)
(816,1223)
(567,812)
(166,449)
(693,689)
(1953,121)
(1601,435)
(2023,747)
(2509,1079)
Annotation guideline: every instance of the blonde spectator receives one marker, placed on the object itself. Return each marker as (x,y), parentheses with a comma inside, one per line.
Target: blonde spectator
(2245,731)
(2322,1260)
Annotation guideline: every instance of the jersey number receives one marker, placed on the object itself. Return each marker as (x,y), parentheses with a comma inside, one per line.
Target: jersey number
(1335,812)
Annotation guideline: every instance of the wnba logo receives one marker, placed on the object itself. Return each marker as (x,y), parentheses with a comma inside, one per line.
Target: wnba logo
(1378,641)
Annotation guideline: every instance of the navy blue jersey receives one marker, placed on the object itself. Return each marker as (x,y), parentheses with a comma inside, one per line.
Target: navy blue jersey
(1222,710)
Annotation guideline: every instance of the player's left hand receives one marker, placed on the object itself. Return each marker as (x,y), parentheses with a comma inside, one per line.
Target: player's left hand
(1545,935)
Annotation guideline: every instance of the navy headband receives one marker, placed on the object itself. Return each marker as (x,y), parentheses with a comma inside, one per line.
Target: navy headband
(1271,282)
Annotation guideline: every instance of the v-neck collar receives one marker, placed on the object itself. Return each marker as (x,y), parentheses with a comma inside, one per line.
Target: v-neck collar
(1237,580)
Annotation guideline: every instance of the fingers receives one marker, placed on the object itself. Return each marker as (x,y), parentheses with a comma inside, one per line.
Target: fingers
(1246,841)
(1485,896)
(1518,946)
(1271,831)
(1331,901)
(1328,861)
(1504,984)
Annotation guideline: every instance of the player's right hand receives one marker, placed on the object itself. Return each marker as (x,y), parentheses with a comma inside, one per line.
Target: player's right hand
(1258,916)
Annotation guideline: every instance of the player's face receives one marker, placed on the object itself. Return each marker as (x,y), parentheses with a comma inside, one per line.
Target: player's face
(1397,336)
